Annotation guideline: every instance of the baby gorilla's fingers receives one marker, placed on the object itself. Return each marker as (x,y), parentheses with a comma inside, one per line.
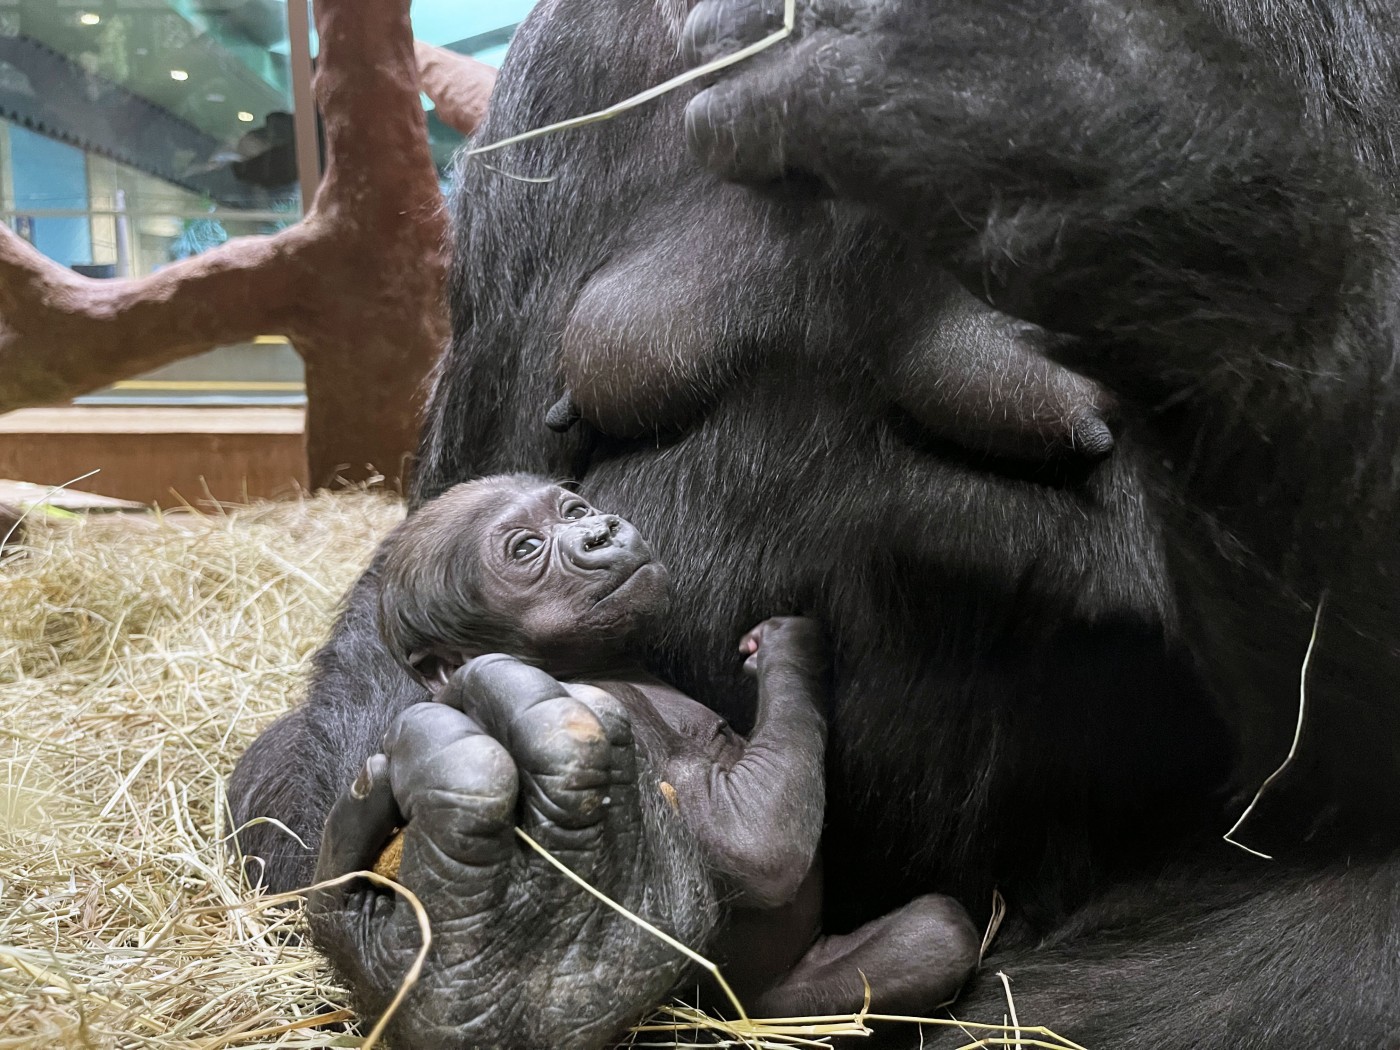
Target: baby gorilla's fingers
(749,645)
(796,641)
(752,639)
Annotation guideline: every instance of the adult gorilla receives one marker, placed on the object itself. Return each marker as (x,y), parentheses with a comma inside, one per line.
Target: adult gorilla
(1197,200)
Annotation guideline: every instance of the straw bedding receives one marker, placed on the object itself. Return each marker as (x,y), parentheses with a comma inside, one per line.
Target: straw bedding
(138,656)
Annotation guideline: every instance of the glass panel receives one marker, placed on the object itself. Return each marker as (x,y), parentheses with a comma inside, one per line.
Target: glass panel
(134,133)
(481,30)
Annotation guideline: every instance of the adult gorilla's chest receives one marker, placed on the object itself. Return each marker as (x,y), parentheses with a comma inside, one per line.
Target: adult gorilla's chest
(1003,687)
(989,629)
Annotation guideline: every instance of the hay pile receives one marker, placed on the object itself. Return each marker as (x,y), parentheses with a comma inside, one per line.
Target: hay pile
(137,658)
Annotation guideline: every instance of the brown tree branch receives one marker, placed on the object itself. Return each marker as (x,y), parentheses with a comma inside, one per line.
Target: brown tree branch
(459,86)
(357,286)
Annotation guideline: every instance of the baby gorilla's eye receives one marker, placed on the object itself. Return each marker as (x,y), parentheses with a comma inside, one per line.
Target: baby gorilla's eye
(574,511)
(526,547)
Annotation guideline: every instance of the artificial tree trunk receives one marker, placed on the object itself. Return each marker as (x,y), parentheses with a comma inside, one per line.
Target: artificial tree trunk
(358,286)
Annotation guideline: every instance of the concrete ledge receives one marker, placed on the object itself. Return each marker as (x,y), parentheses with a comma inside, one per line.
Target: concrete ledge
(159,455)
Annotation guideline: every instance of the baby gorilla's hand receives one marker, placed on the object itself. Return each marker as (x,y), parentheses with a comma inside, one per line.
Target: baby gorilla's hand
(786,642)
(515,943)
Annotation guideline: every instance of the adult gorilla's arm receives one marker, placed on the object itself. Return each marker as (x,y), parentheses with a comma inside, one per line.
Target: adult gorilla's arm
(512,962)
(299,765)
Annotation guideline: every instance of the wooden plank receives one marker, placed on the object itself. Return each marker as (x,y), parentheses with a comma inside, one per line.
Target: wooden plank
(87,419)
(24,494)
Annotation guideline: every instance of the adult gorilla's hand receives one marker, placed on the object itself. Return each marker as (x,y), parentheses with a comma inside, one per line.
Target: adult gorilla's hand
(797,109)
(940,114)
(515,943)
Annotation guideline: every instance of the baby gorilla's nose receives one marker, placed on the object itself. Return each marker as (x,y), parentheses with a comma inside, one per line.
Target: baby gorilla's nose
(599,541)
(599,533)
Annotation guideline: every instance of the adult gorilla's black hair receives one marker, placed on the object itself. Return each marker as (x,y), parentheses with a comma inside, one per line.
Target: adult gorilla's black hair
(1013,709)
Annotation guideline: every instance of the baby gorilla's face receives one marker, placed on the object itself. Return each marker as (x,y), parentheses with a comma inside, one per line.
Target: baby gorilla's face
(577,582)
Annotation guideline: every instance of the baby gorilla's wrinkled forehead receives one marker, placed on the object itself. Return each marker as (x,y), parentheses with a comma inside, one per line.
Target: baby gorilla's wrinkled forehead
(515,564)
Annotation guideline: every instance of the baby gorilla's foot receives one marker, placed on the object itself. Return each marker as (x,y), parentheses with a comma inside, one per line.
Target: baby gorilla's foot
(913,960)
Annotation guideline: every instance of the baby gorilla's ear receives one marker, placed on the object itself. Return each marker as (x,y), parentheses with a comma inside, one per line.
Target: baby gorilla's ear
(430,669)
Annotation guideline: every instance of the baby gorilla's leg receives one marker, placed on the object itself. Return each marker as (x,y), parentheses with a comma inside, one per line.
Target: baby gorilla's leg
(915,959)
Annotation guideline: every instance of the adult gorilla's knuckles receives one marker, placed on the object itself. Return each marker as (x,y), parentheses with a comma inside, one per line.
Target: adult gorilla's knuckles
(714,30)
(561,737)
(426,760)
(424,727)
(613,716)
(771,117)
(468,827)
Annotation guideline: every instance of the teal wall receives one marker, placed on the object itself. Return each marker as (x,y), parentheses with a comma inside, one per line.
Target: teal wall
(445,22)
(51,175)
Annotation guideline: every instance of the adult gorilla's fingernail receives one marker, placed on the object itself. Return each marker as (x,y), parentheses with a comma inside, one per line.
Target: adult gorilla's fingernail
(699,31)
(364,783)
(706,130)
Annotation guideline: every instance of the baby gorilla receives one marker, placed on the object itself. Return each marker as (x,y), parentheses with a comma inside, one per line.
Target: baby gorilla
(514,565)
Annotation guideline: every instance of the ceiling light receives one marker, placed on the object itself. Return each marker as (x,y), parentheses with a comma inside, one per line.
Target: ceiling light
(90,18)
(245,116)
(179,74)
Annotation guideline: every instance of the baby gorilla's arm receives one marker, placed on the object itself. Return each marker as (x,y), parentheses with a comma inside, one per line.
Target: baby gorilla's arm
(757,805)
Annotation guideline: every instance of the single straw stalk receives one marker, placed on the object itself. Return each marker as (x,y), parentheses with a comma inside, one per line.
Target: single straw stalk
(650,94)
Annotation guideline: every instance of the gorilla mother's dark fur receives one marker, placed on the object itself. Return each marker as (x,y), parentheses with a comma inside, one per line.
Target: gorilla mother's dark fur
(1203,197)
